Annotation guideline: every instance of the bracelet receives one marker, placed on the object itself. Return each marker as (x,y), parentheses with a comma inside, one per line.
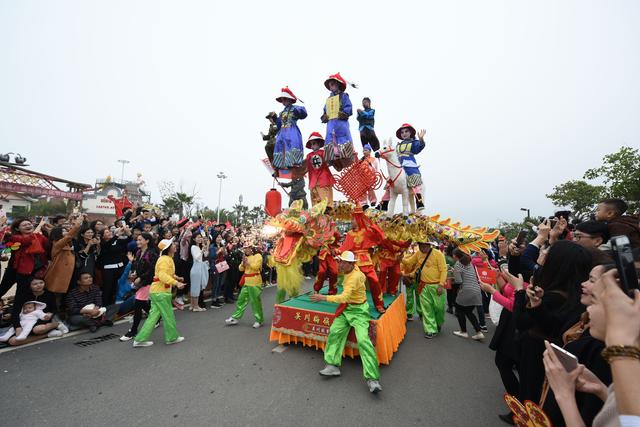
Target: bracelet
(624,351)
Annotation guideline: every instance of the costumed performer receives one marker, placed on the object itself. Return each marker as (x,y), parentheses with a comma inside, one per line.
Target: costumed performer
(367,121)
(288,152)
(297,191)
(407,148)
(160,295)
(320,178)
(353,311)
(251,287)
(425,273)
(369,199)
(337,110)
(328,268)
(390,255)
(363,236)
(270,137)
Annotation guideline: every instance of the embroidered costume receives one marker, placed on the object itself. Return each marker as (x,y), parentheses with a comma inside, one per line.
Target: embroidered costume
(320,178)
(288,151)
(367,120)
(338,151)
(406,150)
(390,255)
(370,199)
(327,266)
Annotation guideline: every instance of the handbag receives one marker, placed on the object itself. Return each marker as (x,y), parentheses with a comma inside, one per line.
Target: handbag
(222,266)
(495,310)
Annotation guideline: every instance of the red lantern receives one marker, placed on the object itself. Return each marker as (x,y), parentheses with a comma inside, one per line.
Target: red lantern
(273,202)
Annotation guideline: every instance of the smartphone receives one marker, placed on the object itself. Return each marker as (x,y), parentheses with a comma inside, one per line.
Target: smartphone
(568,360)
(521,236)
(623,256)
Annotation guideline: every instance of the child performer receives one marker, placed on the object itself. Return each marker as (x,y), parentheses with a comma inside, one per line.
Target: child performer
(288,152)
(367,121)
(251,288)
(160,295)
(407,148)
(339,150)
(370,198)
(353,311)
(320,178)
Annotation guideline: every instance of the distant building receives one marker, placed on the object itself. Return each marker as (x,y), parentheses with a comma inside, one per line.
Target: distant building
(97,204)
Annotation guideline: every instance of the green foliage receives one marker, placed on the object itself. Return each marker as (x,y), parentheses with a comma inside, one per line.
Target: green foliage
(48,208)
(620,176)
(620,172)
(580,196)
(510,230)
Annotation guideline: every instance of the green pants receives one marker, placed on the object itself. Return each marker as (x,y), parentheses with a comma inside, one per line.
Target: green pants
(432,307)
(160,307)
(356,315)
(249,294)
(412,297)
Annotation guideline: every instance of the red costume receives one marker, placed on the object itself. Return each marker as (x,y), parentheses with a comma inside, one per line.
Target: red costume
(320,178)
(390,257)
(328,267)
(359,242)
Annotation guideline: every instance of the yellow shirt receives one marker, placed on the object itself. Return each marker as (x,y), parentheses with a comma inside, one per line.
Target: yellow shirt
(354,290)
(255,267)
(434,270)
(164,276)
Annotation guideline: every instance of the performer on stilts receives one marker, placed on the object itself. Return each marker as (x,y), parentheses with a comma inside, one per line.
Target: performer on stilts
(425,273)
(270,137)
(289,152)
(160,295)
(353,311)
(251,288)
(338,150)
(320,178)
(407,148)
(365,235)
(367,121)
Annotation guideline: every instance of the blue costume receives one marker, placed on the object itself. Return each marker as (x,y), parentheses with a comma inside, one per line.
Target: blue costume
(338,151)
(289,151)
(366,118)
(407,149)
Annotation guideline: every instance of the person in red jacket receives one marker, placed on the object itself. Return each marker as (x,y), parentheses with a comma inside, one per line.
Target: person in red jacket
(320,178)
(328,267)
(365,235)
(390,256)
(28,258)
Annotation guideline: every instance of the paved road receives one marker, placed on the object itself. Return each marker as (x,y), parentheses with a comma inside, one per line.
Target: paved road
(229,376)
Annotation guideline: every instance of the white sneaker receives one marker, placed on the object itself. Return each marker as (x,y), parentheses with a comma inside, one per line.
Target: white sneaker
(102,310)
(54,333)
(63,328)
(374,386)
(176,341)
(142,343)
(231,321)
(461,334)
(478,337)
(330,371)
(256,325)
(125,338)
(307,277)
(180,301)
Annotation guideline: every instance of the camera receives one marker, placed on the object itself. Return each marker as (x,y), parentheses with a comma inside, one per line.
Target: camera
(623,257)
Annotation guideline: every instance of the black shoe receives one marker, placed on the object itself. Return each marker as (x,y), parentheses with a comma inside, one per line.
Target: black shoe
(228,301)
(93,328)
(450,310)
(439,329)
(216,304)
(507,418)
(484,329)
(429,335)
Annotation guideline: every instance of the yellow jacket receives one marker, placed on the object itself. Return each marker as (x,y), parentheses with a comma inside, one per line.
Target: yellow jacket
(252,275)
(434,270)
(164,276)
(354,290)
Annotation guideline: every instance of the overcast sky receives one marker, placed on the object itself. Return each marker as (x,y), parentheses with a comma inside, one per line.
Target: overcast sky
(515,96)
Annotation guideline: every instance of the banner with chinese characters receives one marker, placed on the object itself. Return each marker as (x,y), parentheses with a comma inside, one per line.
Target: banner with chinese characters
(301,322)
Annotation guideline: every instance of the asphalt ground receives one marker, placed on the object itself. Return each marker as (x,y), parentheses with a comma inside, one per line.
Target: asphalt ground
(222,375)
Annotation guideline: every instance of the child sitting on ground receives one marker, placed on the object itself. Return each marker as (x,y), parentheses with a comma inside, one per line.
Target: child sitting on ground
(32,311)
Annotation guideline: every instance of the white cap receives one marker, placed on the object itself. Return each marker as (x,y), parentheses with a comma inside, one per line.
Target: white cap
(348,256)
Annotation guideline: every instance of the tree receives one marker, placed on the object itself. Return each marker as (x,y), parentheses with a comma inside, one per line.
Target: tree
(177,201)
(44,207)
(580,196)
(621,174)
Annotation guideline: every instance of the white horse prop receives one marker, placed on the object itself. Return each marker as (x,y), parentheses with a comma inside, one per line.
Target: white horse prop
(396,182)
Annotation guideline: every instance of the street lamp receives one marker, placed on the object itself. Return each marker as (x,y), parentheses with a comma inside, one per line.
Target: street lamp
(220,176)
(527,211)
(124,162)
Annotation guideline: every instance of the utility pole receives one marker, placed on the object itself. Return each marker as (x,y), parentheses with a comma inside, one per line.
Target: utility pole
(220,176)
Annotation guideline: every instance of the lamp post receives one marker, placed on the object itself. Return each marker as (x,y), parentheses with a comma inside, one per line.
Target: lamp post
(527,211)
(220,176)
(124,162)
